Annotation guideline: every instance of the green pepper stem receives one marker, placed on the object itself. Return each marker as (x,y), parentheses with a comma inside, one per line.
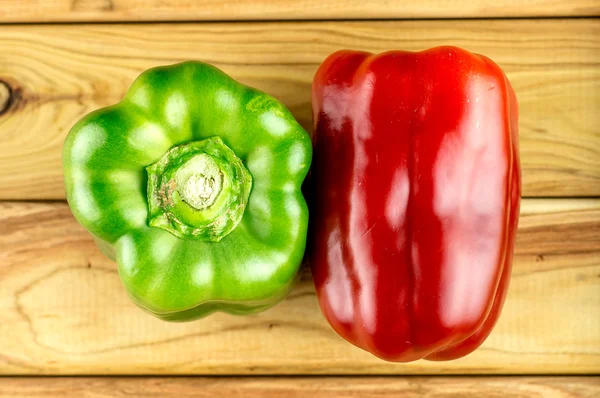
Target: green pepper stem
(198,190)
(201,189)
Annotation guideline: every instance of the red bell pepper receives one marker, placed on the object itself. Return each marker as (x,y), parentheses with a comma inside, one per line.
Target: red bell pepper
(416,199)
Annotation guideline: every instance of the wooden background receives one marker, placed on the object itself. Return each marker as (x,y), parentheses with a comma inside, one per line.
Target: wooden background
(63,311)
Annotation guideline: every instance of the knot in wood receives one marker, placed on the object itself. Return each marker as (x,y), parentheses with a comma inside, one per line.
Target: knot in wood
(5,96)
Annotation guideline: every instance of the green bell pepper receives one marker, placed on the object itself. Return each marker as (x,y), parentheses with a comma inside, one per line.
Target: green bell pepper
(192,183)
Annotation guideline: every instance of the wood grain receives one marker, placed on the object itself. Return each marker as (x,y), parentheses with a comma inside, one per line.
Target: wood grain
(63,310)
(214,10)
(56,74)
(296,387)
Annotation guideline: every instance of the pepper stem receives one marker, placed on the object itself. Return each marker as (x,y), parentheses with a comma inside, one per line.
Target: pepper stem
(198,190)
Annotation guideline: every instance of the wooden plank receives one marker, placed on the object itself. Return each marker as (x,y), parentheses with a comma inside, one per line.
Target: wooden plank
(292,387)
(59,73)
(214,10)
(64,311)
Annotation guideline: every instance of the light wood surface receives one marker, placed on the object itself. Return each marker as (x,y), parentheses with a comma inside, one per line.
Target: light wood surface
(186,10)
(57,73)
(64,311)
(301,387)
